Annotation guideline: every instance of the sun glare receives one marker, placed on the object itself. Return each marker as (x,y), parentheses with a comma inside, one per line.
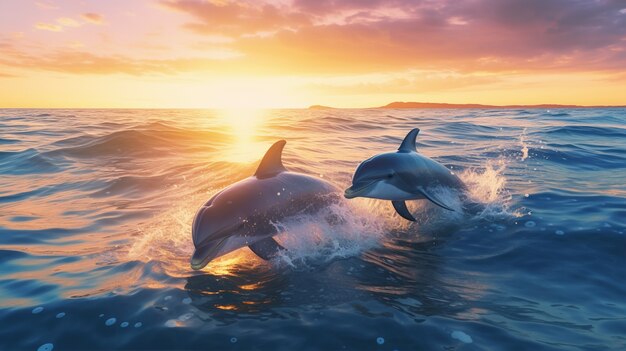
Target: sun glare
(244,125)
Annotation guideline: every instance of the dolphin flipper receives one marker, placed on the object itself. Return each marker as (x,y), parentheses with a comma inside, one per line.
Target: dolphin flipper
(433,198)
(266,248)
(400,207)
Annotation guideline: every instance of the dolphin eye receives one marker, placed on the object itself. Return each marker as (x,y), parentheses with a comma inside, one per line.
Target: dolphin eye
(389,175)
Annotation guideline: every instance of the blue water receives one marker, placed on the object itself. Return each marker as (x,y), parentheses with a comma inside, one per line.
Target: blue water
(95,239)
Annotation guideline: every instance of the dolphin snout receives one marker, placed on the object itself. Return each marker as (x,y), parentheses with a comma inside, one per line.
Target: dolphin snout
(357,189)
(204,254)
(349,193)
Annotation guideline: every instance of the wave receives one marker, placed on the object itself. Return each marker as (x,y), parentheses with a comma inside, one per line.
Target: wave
(589,132)
(152,140)
(25,162)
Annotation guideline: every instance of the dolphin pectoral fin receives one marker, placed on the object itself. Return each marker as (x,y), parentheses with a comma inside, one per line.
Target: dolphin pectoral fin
(400,207)
(433,198)
(266,248)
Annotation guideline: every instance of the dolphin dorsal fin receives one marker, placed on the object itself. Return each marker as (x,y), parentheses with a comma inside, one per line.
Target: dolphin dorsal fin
(271,164)
(408,144)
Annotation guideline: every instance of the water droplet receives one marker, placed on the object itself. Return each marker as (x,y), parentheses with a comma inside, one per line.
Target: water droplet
(185,317)
(233,339)
(109,322)
(187,300)
(138,325)
(171,323)
(101,315)
(37,310)
(462,337)
(278,193)
(46,347)
(60,314)
(526,195)
(529,224)
(559,232)
(124,324)
(167,298)
(380,340)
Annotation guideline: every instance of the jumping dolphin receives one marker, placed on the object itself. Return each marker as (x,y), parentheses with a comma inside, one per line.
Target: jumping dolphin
(246,213)
(402,175)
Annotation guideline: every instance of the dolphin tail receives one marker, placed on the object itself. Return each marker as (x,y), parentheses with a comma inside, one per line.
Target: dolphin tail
(400,207)
(266,248)
(433,198)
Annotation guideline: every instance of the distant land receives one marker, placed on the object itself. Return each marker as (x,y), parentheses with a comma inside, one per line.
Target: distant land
(400,104)
(320,107)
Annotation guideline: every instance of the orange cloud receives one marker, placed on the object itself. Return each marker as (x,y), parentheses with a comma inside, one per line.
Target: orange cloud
(92,18)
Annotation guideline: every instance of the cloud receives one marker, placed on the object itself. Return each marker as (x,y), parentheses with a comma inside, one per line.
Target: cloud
(63,22)
(372,35)
(46,5)
(68,22)
(236,18)
(49,27)
(92,18)
(72,61)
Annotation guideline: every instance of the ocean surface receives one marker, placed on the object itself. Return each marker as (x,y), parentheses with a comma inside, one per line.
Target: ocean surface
(96,209)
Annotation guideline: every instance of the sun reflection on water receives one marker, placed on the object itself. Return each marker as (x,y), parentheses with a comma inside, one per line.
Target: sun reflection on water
(244,124)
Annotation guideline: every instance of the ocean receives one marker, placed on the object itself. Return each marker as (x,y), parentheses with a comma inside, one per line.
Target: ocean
(96,208)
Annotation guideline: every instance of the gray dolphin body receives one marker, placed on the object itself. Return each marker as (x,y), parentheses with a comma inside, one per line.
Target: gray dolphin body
(246,213)
(402,175)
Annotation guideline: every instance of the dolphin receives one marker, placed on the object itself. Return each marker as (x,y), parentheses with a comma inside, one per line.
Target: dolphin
(403,175)
(246,213)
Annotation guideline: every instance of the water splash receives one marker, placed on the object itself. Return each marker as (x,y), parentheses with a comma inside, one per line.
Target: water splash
(522,141)
(487,186)
(341,230)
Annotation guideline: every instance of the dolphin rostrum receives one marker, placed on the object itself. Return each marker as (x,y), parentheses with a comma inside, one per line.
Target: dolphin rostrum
(402,175)
(247,212)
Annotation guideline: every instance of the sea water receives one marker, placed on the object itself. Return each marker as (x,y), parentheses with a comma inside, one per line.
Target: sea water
(95,233)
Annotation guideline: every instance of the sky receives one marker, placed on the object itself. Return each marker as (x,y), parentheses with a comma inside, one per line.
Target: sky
(296,53)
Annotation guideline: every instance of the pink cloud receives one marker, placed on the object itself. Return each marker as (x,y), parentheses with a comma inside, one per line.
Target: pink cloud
(375,34)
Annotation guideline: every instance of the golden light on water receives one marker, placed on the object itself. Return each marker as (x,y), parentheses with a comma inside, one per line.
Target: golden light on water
(243,124)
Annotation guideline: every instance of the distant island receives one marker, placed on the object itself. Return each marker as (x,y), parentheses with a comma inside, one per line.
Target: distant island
(444,105)
(320,107)
(425,105)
